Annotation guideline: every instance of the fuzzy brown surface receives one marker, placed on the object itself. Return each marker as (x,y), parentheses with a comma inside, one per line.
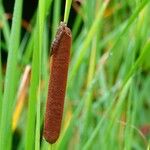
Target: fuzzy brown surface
(57,84)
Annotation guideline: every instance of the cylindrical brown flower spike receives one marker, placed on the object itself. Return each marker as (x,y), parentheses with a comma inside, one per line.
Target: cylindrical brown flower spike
(57,84)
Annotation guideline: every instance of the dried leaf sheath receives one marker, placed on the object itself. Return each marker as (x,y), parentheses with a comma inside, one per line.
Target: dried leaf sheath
(57,83)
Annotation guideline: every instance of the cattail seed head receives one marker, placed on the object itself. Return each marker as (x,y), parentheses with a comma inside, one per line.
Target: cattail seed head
(57,84)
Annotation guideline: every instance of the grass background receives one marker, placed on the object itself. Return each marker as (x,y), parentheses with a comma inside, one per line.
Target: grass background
(107,100)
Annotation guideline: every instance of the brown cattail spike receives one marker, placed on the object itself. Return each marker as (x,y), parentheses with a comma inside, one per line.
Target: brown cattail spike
(57,84)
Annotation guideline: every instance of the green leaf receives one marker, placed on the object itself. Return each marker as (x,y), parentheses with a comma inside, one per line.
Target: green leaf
(10,82)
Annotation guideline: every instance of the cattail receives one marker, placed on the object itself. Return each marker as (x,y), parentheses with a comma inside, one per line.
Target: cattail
(57,84)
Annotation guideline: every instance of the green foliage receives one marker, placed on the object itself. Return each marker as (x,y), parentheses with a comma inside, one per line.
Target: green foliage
(10,79)
(107,98)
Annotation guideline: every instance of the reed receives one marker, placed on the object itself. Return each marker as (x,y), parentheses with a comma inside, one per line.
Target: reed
(90,90)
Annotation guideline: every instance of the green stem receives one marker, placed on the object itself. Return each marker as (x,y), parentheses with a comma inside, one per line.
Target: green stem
(56,18)
(10,82)
(67,10)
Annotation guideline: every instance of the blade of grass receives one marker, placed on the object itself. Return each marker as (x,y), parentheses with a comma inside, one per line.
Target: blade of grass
(45,73)
(9,93)
(45,76)
(5,26)
(0,78)
(67,10)
(87,41)
(76,25)
(48,7)
(128,129)
(139,61)
(41,22)
(56,17)
(34,85)
(37,134)
(88,102)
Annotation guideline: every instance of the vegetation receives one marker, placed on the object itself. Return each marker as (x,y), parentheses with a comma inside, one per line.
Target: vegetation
(107,100)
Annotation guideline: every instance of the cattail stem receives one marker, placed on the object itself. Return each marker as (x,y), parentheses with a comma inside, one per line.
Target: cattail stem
(67,10)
